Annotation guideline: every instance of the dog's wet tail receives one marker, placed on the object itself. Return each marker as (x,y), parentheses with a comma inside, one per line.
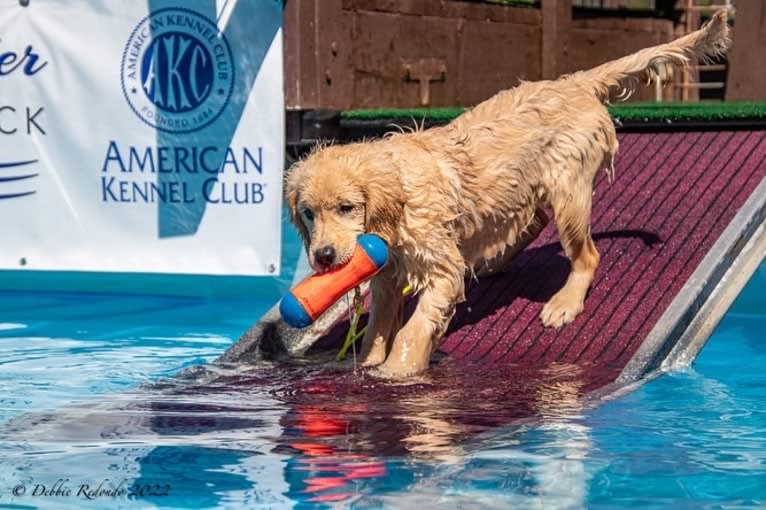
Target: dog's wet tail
(620,77)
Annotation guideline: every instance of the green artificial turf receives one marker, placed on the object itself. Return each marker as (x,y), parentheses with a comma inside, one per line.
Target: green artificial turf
(404,113)
(689,111)
(646,112)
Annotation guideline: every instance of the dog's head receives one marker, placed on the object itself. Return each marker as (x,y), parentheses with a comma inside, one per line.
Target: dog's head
(339,192)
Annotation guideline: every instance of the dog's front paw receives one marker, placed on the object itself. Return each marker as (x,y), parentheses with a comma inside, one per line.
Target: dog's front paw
(381,372)
(400,365)
(561,309)
(391,371)
(375,354)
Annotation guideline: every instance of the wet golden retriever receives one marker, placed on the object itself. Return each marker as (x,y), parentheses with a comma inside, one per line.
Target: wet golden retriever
(468,195)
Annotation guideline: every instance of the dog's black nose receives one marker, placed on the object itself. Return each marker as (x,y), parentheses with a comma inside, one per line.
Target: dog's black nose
(325,256)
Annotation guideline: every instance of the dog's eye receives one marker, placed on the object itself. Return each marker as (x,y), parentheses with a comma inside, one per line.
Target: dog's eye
(346,208)
(308,214)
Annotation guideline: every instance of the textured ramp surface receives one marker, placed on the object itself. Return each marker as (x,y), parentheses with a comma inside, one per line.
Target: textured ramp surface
(673,196)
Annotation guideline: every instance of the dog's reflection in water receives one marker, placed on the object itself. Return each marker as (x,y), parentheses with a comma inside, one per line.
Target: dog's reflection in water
(343,441)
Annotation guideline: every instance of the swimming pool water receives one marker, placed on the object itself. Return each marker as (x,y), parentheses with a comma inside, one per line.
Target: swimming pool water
(73,414)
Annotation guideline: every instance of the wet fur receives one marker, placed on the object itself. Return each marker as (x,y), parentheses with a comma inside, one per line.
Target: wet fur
(468,195)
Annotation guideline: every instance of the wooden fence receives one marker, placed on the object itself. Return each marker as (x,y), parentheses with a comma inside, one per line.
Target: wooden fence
(344,54)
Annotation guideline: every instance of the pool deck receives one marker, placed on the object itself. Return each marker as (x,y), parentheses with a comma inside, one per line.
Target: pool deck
(680,218)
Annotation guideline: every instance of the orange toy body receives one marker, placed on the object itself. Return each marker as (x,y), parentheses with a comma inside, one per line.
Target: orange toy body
(314,295)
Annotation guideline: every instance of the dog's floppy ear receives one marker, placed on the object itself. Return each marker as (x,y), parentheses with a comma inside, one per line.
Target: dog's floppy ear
(292,195)
(384,203)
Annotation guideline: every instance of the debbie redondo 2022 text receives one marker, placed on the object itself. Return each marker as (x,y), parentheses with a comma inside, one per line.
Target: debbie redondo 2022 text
(104,488)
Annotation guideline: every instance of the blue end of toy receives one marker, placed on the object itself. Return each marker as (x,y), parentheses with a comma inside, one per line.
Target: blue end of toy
(375,247)
(293,313)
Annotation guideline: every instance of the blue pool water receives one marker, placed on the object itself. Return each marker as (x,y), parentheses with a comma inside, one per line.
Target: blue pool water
(74,417)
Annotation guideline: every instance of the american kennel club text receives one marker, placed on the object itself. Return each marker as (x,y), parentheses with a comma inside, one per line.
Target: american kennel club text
(182,175)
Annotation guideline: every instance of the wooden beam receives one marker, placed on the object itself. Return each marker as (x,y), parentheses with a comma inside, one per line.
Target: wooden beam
(557,21)
(747,74)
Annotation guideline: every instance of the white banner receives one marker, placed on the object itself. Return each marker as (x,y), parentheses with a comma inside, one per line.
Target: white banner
(141,136)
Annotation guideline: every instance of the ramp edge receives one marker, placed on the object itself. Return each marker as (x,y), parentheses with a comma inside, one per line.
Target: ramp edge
(690,319)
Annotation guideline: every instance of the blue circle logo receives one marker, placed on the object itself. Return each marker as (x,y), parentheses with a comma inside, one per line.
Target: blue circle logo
(177,70)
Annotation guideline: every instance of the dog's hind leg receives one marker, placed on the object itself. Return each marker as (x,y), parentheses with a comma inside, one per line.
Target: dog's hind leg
(572,216)
(516,244)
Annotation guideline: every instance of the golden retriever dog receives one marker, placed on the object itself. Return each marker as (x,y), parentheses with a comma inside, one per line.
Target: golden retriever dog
(467,196)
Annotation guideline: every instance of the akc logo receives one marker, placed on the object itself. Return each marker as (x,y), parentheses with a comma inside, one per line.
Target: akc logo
(177,70)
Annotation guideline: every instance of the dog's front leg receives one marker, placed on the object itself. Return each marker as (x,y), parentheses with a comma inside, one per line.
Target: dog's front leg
(385,317)
(413,345)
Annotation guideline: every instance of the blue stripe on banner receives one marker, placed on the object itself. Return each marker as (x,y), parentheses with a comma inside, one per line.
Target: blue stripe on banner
(249,43)
(12,164)
(17,178)
(16,195)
